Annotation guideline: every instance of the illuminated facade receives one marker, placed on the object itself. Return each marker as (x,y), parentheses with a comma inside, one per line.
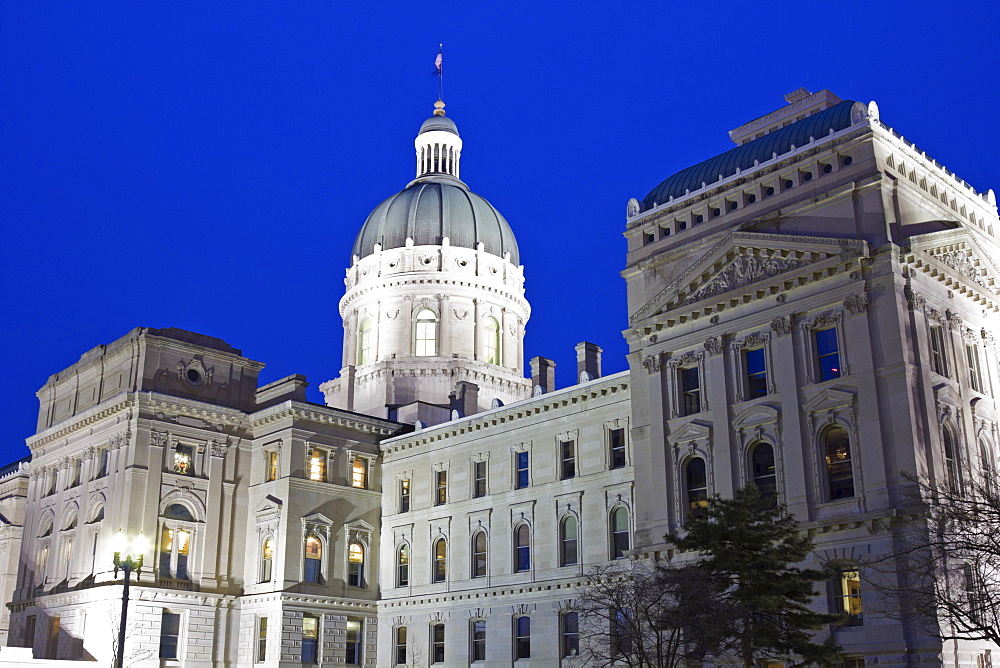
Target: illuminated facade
(813,312)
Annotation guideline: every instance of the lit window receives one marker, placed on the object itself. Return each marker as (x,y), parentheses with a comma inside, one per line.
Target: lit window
(616,438)
(271,462)
(567,451)
(839,470)
(440,560)
(313,559)
(479,640)
(404,496)
(437,643)
(690,387)
(522,638)
(310,639)
(521,481)
(426,334)
(359,473)
(174,547)
(267,560)
(568,544)
(696,486)
(262,639)
(975,376)
(570,634)
(939,362)
(364,342)
(317,464)
(479,554)
(401,645)
(827,353)
(848,588)
(170,632)
(491,344)
(479,480)
(403,566)
(183,456)
(756,373)
(353,649)
(619,533)
(764,477)
(356,565)
(522,549)
(441,488)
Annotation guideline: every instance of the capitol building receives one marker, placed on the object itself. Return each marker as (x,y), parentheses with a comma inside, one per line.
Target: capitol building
(815,311)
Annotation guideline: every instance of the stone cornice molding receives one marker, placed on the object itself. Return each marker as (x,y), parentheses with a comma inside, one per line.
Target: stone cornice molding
(117,404)
(326,416)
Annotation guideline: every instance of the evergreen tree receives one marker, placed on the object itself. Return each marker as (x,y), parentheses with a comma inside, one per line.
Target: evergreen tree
(751,547)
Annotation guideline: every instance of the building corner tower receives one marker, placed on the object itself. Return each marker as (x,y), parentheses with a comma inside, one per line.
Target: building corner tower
(434,312)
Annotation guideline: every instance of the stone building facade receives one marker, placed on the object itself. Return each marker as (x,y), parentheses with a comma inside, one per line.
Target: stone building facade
(813,311)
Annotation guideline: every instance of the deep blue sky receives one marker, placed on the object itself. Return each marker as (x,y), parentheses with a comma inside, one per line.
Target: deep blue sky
(206,165)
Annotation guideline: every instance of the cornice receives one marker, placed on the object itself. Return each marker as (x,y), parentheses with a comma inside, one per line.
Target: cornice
(117,404)
(325,416)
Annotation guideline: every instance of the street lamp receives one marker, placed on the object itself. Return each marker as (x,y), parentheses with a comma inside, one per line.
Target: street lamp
(132,561)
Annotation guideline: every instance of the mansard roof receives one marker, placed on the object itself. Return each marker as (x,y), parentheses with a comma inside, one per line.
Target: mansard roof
(744,157)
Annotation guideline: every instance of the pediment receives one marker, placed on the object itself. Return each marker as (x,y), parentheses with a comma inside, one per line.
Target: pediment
(956,254)
(747,262)
(982,410)
(269,504)
(316,518)
(360,525)
(827,399)
(695,430)
(758,414)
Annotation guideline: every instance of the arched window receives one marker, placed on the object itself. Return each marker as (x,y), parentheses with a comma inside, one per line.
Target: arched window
(440,560)
(567,539)
(313,559)
(425,339)
(522,549)
(266,560)
(763,472)
(839,469)
(403,566)
(364,342)
(479,554)
(951,461)
(356,565)
(696,486)
(178,511)
(619,533)
(491,341)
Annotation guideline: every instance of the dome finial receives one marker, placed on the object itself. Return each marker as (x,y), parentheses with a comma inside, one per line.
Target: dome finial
(439,108)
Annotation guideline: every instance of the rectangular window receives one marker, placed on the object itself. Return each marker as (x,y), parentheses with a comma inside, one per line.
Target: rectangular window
(310,639)
(567,451)
(262,639)
(827,354)
(756,373)
(690,386)
(479,482)
(77,472)
(353,655)
(183,459)
(401,645)
(938,361)
(441,488)
(317,464)
(617,441)
(272,466)
(437,643)
(521,480)
(479,640)
(975,377)
(170,631)
(105,458)
(359,473)
(849,597)
(522,638)
(404,496)
(570,634)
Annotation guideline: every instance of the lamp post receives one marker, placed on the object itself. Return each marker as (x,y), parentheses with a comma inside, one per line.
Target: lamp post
(132,561)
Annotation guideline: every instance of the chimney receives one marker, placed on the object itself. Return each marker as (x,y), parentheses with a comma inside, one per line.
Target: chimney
(543,375)
(588,361)
(290,388)
(465,398)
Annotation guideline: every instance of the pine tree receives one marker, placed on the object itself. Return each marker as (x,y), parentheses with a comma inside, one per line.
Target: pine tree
(752,547)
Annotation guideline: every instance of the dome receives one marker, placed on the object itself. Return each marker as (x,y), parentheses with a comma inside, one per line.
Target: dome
(434,207)
(439,123)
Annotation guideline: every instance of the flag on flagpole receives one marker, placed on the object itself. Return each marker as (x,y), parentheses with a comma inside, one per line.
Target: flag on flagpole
(437,62)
